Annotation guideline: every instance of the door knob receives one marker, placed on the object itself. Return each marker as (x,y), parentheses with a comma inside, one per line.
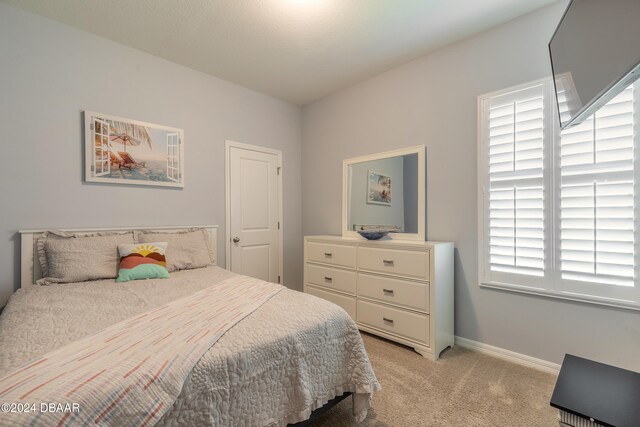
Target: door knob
(236,239)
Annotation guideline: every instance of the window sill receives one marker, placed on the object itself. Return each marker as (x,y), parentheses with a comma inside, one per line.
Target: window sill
(608,302)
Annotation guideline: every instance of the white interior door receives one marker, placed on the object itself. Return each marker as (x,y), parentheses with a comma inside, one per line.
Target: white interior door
(254,213)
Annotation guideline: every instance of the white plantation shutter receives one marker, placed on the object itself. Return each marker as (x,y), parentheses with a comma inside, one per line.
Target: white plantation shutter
(515,182)
(597,196)
(558,209)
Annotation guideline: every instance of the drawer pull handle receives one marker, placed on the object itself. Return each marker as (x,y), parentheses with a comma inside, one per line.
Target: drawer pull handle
(388,320)
(328,279)
(387,262)
(388,291)
(328,254)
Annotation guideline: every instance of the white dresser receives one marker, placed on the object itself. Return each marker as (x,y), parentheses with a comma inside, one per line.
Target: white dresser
(400,290)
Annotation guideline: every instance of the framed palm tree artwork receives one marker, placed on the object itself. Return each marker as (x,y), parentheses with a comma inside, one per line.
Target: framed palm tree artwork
(124,151)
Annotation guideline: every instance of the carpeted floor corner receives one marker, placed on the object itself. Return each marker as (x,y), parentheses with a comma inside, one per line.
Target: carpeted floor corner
(463,388)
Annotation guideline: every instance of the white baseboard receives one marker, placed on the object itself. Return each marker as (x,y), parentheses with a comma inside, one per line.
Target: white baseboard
(511,356)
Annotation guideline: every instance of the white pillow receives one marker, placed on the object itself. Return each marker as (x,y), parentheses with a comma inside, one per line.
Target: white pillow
(66,258)
(186,250)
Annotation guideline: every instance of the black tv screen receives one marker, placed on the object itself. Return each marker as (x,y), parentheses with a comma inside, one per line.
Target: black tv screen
(595,53)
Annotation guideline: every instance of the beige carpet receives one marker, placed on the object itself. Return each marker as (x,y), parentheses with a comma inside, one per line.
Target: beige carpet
(463,388)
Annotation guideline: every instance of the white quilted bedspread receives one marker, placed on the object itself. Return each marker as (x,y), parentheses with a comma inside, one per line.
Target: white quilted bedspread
(274,367)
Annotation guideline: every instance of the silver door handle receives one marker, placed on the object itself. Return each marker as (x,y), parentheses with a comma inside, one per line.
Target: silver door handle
(236,239)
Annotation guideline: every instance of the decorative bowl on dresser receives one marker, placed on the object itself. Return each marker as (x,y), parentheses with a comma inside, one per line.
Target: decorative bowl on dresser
(399,290)
(373,235)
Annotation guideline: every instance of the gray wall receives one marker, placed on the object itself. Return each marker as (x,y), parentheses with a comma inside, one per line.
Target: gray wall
(411,193)
(49,73)
(433,101)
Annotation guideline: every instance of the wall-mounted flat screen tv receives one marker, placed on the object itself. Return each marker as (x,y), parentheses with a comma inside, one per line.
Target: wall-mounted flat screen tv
(595,54)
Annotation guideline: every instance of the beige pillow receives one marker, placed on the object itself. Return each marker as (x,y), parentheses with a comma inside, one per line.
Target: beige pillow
(68,258)
(42,256)
(186,250)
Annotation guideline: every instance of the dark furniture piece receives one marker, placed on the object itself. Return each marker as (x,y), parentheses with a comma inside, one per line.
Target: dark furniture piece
(594,391)
(318,412)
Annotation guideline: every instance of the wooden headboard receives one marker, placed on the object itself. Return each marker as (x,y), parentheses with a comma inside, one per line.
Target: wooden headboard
(30,266)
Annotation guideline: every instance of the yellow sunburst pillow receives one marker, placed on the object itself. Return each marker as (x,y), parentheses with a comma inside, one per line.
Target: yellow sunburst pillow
(142,261)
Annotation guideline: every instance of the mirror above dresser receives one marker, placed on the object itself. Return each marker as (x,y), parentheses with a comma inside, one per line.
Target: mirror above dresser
(385,192)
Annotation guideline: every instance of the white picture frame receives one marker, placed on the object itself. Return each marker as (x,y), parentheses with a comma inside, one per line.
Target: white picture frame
(375,194)
(131,152)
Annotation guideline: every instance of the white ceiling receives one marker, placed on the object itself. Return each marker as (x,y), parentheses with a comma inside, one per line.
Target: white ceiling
(297,50)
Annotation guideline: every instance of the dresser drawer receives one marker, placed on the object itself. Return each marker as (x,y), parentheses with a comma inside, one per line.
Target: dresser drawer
(394,291)
(410,325)
(347,303)
(394,261)
(332,254)
(340,280)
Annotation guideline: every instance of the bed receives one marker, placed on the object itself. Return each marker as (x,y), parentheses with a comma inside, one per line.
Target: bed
(284,360)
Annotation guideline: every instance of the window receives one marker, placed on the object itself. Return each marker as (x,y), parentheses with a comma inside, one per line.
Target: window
(173,159)
(101,149)
(557,208)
